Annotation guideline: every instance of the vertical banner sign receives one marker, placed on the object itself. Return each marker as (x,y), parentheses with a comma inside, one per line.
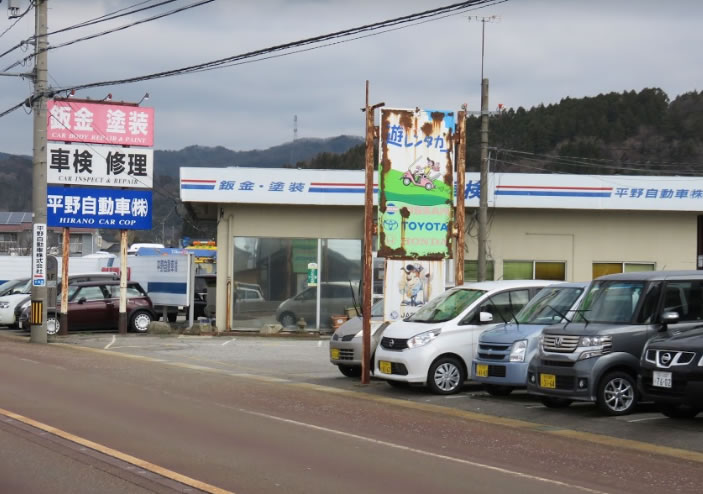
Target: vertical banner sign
(416,184)
(409,285)
(39,255)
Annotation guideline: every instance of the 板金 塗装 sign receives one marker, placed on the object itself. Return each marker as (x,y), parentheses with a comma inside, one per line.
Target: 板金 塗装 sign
(98,208)
(100,123)
(106,166)
(416,184)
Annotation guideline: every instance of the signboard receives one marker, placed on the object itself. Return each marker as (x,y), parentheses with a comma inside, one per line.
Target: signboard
(107,166)
(408,285)
(416,184)
(166,278)
(100,123)
(39,255)
(99,208)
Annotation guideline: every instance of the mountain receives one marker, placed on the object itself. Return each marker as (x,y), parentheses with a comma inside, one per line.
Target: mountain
(284,155)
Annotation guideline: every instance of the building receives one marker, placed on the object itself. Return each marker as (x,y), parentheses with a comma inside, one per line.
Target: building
(273,223)
(16,237)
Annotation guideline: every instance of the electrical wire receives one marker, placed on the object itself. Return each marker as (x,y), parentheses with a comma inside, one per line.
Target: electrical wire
(31,4)
(111,16)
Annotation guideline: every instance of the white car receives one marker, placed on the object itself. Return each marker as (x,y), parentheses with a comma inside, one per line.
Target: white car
(435,346)
(12,293)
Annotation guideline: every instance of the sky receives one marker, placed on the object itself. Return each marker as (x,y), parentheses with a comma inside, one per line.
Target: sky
(537,52)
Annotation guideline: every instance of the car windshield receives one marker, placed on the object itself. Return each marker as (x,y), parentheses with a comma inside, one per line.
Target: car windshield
(610,302)
(446,306)
(549,306)
(14,286)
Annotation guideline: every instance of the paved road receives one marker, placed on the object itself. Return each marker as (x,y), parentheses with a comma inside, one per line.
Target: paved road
(245,433)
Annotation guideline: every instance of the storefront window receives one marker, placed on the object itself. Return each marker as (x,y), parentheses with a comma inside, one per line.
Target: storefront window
(340,277)
(603,268)
(471,271)
(517,270)
(534,270)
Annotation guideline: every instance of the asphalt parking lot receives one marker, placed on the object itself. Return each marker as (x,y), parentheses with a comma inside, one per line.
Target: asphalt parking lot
(305,360)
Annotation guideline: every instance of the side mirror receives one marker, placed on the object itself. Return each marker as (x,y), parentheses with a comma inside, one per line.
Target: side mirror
(82,300)
(669,318)
(485,317)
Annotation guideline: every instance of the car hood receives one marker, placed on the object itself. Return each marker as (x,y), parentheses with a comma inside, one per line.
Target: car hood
(13,299)
(355,324)
(691,340)
(406,329)
(510,333)
(587,329)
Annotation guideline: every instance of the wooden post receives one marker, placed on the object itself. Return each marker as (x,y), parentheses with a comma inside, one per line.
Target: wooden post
(368,229)
(460,201)
(65,254)
(122,321)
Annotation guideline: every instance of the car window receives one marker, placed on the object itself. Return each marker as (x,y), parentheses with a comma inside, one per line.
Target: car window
(308,294)
(518,300)
(499,306)
(132,291)
(90,293)
(251,295)
(550,305)
(610,302)
(684,298)
(446,306)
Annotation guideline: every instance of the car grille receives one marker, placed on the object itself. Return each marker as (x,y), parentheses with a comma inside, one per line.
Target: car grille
(559,343)
(496,371)
(493,351)
(669,358)
(346,354)
(558,363)
(394,343)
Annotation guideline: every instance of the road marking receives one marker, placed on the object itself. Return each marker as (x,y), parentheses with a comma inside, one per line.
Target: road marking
(228,342)
(164,472)
(114,339)
(417,451)
(319,344)
(647,418)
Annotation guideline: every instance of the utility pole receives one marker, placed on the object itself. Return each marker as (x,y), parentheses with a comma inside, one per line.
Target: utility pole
(39,291)
(483,198)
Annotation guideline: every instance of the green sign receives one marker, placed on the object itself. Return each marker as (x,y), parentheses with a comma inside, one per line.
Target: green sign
(312,274)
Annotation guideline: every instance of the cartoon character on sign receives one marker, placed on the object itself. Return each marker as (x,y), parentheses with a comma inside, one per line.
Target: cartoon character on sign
(422,176)
(413,285)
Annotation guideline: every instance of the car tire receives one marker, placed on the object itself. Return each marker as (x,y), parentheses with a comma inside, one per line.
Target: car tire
(617,394)
(497,389)
(552,402)
(287,319)
(678,411)
(140,321)
(172,317)
(350,370)
(446,376)
(52,325)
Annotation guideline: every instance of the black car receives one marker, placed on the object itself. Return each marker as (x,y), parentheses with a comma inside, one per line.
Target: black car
(671,373)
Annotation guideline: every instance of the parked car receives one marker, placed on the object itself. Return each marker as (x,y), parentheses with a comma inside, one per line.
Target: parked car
(346,343)
(12,294)
(596,357)
(335,297)
(505,351)
(671,373)
(435,346)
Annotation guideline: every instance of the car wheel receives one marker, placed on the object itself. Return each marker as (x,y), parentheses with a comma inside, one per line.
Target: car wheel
(678,411)
(446,376)
(140,321)
(406,181)
(497,389)
(52,325)
(552,402)
(617,394)
(287,319)
(350,370)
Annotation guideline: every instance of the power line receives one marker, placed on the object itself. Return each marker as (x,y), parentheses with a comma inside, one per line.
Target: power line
(31,4)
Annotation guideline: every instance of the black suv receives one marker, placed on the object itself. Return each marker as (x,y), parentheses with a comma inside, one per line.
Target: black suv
(671,372)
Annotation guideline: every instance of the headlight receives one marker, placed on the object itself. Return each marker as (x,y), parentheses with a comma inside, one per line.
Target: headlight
(423,338)
(700,362)
(518,350)
(597,346)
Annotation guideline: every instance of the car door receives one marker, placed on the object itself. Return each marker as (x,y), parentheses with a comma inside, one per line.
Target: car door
(88,308)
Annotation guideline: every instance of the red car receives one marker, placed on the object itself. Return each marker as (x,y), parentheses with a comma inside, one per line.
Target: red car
(95,305)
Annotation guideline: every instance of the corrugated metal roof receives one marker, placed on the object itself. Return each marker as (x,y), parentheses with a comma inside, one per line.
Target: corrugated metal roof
(15,218)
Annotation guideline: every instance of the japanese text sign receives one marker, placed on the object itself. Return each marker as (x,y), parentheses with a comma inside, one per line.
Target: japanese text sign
(108,166)
(100,123)
(39,255)
(416,184)
(99,208)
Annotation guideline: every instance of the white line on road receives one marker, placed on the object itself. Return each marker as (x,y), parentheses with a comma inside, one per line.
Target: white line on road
(228,342)
(319,344)
(114,339)
(647,418)
(417,451)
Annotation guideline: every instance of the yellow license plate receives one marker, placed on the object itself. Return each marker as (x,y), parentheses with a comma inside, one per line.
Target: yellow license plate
(384,367)
(334,353)
(481,370)
(548,381)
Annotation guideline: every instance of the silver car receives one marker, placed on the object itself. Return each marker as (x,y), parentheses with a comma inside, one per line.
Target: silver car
(346,343)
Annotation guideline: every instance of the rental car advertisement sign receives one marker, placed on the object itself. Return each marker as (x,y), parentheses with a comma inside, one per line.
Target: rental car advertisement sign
(100,123)
(107,166)
(416,187)
(99,208)
(409,285)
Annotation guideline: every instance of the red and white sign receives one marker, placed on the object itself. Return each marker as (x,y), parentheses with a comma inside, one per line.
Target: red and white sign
(100,123)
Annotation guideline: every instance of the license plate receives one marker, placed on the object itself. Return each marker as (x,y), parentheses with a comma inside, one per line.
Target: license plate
(661,379)
(548,381)
(19,324)
(384,367)
(481,370)
(334,353)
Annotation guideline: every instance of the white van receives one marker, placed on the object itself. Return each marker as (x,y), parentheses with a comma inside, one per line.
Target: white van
(134,248)
(435,346)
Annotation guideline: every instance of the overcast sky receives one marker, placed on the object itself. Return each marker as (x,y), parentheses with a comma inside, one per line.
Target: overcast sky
(540,52)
